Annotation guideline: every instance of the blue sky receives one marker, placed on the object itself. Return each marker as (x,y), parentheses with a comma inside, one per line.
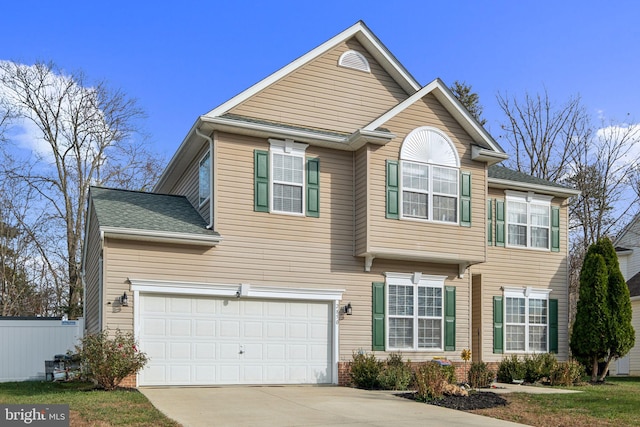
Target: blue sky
(182,59)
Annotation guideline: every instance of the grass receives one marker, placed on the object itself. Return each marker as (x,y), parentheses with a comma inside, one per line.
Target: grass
(88,406)
(615,403)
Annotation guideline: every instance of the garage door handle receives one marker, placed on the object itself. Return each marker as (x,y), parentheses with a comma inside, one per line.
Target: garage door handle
(241,350)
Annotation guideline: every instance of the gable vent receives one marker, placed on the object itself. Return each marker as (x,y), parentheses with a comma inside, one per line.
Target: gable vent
(355,60)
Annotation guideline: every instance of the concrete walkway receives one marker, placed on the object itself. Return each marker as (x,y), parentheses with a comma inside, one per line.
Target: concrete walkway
(500,388)
(304,406)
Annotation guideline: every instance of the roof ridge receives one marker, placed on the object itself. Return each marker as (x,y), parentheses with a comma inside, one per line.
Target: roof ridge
(136,191)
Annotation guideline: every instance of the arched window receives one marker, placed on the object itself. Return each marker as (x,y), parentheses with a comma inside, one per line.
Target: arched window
(429,165)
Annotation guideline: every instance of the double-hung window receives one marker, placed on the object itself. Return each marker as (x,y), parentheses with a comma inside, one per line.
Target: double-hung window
(285,180)
(526,320)
(429,166)
(204,178)
(415,312)
(528,220)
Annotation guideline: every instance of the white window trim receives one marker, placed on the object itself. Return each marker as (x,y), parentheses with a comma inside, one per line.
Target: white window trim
(430,194)
(527,293)
(290,148)
(202,201)
(414,279)
(529,199)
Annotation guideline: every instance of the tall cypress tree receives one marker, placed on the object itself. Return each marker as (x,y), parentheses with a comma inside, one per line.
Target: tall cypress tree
(607,315)
(589,335)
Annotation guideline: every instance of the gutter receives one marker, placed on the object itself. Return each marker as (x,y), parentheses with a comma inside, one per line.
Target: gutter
(160,236)
(515,185)
(208,138)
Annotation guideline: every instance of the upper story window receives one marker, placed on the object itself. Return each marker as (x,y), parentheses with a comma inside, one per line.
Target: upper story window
(285,181)
(528,220)
(429,169)
(204,178)
(288,177)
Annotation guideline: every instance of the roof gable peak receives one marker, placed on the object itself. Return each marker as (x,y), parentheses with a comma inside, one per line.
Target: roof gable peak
(362,33)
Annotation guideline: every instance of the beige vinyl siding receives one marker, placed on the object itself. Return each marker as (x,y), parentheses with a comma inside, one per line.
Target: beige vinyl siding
(414,235)
(322,95)
(514,267)
(361,191)
(278,250)
(92,275)
(225,265)
(188,184)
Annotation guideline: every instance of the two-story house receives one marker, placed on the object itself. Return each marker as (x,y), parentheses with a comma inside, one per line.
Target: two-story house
(335,206)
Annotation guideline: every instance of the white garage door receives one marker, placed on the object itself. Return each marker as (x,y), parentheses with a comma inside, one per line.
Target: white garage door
(208,341)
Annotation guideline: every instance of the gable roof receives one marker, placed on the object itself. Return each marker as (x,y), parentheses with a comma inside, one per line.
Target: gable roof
(634,285)
(502,177)
(363,34)
(628,228)
(484,147)
(452,105)
(149,216)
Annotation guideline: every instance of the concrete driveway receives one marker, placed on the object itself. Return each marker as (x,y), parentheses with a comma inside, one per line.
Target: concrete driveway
(303,406)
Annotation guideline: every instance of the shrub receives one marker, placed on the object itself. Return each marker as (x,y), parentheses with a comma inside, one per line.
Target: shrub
(365,370)
(538,366)
(567,373)
(511,368)
(107,361)
(431,380)
(395,375)
(480,375)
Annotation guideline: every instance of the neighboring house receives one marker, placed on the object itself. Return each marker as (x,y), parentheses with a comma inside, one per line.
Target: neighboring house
(336,206)
(627,245)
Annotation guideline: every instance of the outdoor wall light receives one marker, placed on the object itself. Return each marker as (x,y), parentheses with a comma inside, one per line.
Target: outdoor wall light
(348,310)
(124,300)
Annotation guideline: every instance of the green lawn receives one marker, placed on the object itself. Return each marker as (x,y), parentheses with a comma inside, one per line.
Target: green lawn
(88,406)
(617,403)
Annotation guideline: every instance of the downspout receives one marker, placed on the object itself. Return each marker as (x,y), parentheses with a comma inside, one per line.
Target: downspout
(208,138)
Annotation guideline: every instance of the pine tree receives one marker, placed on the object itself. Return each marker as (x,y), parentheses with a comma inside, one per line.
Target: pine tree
(470,100)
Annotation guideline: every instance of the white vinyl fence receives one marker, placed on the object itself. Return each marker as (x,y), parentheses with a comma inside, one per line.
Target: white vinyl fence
(26,343)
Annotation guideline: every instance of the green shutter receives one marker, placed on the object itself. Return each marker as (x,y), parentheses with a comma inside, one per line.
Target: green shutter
(555,228)
(500,223)
(553,326)
(377,308)
(449,318)
(465,199)
(498,333)
(261,181)
(313,187)
(490,222)
(393,202)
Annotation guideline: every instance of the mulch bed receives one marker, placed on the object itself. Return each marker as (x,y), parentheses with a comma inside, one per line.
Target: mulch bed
(475,400)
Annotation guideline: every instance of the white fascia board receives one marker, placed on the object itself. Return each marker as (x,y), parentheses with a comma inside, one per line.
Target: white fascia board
(180,153)
(523,186)
(626,229)
(364,36)
(442,93)
(488,156)
(160,236)
(233,290)
(272,131)
(268,130)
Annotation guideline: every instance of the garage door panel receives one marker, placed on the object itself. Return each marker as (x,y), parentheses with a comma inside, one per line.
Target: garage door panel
(180,327)
(209,341)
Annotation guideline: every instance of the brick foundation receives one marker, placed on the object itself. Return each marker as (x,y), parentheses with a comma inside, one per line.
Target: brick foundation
(128,382)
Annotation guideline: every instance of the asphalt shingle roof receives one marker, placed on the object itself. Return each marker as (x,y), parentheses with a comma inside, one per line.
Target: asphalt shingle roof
(634,285)
(500,172)
(138,210)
